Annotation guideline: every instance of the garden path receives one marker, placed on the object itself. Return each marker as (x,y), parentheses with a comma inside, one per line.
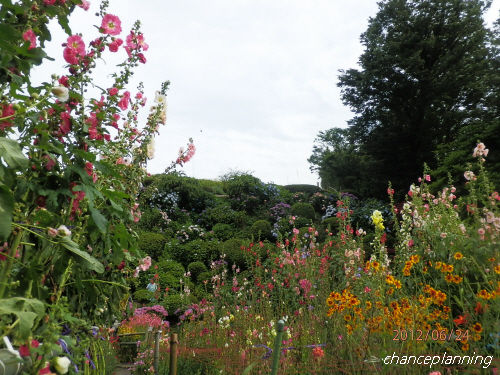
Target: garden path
(122,369)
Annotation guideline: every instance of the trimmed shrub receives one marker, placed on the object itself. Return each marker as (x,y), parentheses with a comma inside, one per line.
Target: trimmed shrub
(204,276)
(302,222)
(172,303)
(172,267)
(303,210)
(261,230)
(196,250)
(168,280)
(196,268)
(332,223)
(143,296)
(234,253)
(223,232)
(152,244)
(303,188)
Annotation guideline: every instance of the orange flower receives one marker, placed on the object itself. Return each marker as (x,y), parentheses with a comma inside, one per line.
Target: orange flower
(458,255)
(460,320)
(497,269)
(477,327)
(479,309)
(449,278)
(484,294)
(397,284)
(457,279)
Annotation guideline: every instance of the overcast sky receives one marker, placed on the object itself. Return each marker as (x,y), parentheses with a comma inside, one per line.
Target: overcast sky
(252,81)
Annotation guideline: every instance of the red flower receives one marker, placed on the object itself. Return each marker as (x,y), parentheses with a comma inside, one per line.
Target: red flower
(479,309)
(75,49)
(115,44)
(111,25)
(7,110)
(460,320)
(65,126)
(64,81)
(113,91)
(49,2)
(30,36)
(24,351)
(383,238)
(85,5)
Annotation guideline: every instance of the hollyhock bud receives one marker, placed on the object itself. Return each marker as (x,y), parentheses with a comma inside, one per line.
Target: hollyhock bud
(61,92)
(63,231)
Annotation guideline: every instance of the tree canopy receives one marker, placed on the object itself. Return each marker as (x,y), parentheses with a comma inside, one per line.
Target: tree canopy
(426,78)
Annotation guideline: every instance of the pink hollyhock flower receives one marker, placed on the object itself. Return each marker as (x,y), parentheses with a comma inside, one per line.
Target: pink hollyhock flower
(427,178)
(64,81)
(30,36)
(123,103)
(49,163)
(85,5)
(65,126)
(75,49)
(45,370)
(7,110)
(111,25)
(76,43)
(113,91)
(49,2)
(52,232)
(115,44)
(145,263)
(142,58)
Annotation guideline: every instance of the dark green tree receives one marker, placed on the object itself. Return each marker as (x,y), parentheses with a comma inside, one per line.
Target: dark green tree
(423,76)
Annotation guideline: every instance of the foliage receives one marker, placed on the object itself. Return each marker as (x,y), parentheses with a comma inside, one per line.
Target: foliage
(233,251)
(196,268)
(222,231)
(305,210)
(303,188)
(410,100)
(152,243)
(261,230)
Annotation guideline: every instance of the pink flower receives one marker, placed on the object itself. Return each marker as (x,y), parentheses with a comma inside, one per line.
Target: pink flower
(427,178)
(64,81)
(480,150)
(50,163)
(141,57)
(123,103)
(65,126)
(75,49)
(85,5)
(145,263)
(113,91)
(115,44)
(30,36)
(435,373)
(111,25)
(76,43)
(49,2)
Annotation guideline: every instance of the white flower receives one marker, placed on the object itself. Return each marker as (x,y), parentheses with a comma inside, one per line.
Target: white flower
(151,149)
(62,364)
(61,92)
(63,231)
(160,99)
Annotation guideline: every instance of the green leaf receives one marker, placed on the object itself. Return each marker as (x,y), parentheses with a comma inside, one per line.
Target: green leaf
(6,208)
(93,263)
(99,219)
(26,310)
(12,154)
(249,368)
(9,33)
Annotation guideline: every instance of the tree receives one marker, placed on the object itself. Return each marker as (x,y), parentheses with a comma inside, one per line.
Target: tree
(423,77)
(339,163)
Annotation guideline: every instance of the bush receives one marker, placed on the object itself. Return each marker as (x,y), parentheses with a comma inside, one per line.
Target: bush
(196,268)
(171,266)
(304,188)
(172,303)
(223,232)
(332,223)
(224,214)
(204,276)
(261,230)
(152,244)
(196,250)
(302,222)
(303,210)
(234,253)
(143,296)
(168,280)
